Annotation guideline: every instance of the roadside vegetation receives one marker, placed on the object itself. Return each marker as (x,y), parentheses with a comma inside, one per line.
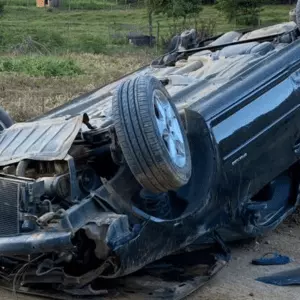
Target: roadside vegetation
(47,66)
(100,30)
(48,55)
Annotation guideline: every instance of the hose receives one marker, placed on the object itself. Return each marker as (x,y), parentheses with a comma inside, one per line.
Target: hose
(22,167)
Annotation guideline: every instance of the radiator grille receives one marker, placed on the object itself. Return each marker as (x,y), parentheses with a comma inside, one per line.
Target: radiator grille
(9,208)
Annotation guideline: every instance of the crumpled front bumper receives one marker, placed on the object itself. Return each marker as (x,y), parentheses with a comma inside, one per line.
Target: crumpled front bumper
(107,229)
(40,242)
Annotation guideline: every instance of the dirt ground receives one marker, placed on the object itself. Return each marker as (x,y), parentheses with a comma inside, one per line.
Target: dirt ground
(237,280)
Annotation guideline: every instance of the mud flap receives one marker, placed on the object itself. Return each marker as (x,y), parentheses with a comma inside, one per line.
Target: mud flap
(171,278)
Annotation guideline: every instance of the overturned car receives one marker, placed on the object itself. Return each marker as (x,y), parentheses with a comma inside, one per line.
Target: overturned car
(199,149)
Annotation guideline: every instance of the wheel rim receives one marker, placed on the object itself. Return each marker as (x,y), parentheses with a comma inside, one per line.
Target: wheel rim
(169,128)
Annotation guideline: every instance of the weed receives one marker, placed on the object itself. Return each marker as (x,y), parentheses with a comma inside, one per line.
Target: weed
(40,66)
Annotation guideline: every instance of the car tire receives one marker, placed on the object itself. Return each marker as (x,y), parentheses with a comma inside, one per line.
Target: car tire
(151,135)
(5,120)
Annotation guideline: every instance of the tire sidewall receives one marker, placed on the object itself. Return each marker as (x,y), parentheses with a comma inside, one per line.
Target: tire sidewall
(185,171)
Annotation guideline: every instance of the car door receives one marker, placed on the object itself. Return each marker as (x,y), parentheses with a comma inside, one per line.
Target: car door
(257,140)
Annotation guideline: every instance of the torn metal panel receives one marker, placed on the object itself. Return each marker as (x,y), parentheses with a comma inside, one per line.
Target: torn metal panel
(40,140)
(108,231)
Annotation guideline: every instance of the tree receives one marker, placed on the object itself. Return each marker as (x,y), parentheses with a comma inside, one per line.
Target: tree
(182,8)
(172,9)
(153,6)
(243,12)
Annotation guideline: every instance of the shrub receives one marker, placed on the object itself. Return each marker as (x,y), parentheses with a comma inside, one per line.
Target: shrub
(243,12)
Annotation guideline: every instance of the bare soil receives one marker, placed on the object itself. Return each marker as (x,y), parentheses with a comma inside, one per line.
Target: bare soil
(237,280)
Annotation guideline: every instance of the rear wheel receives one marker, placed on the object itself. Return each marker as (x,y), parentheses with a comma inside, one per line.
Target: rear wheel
(151,135)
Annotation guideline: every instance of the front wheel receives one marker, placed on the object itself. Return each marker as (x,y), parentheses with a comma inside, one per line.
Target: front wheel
(151,135)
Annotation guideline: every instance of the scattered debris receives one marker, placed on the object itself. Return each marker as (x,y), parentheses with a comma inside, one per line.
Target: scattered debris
(291,277)
(276,259)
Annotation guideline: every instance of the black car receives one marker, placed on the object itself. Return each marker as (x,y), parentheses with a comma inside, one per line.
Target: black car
(154,174)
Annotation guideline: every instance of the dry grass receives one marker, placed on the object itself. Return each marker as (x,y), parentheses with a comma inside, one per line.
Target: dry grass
(25,97)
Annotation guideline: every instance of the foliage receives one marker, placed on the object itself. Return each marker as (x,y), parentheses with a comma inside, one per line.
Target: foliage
(40,66)
(243,12)
(178,8)
(172,9)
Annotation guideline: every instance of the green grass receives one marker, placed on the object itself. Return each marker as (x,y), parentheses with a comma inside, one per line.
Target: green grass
(95,31)
(46,66)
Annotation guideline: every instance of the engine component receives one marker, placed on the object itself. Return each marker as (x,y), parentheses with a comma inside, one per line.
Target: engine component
(21,168)
(57,186)
(17,197)
(88,180)
(9,170)
(28,226)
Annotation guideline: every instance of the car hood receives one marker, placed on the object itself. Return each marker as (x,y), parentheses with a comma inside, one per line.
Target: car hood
(40,140)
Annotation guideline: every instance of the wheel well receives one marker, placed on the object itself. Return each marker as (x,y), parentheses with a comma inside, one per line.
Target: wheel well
(267,192)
